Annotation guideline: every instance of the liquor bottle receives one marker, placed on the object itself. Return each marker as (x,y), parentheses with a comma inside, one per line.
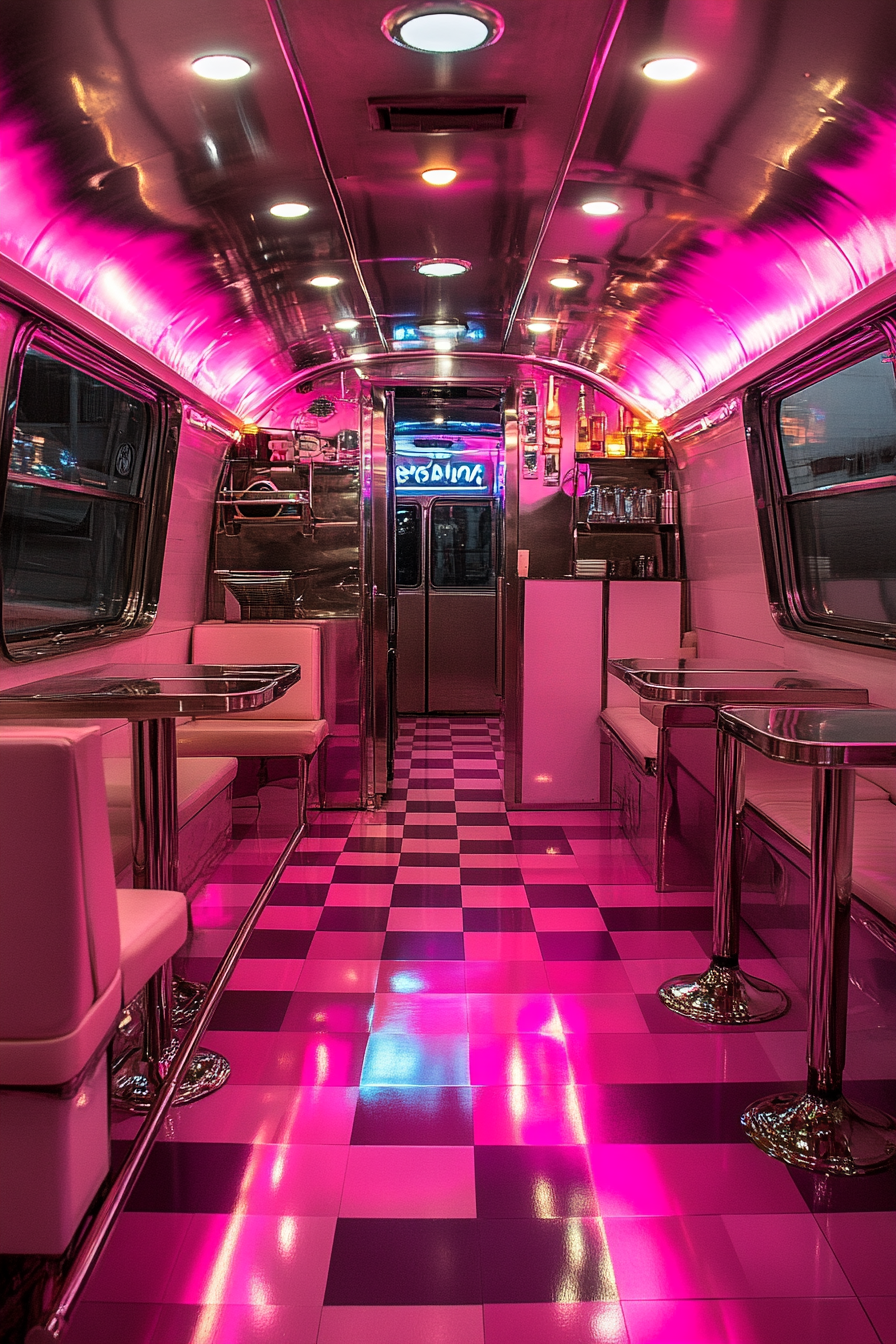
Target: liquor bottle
(627,431)
(583,430)
(615,441)
(655,442)
(637,438)
(553,437)
(598,431)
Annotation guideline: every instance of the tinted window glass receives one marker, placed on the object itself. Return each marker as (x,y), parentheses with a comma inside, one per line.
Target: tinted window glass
(72,516)
(842,428)
(462,546)
(72,427)
(844,550)
(407,545)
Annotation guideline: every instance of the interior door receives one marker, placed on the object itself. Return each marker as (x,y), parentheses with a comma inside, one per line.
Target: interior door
(462,607)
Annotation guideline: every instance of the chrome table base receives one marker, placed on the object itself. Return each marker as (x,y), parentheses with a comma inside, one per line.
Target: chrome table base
(823,1134)
(136,1082)
(188,998)
(725,996)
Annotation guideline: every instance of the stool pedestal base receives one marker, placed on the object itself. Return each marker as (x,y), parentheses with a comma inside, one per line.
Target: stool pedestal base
(824,1134)
(136,1082)
(724,995)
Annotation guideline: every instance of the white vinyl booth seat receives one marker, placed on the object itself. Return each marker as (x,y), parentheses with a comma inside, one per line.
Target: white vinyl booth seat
(73,951)
(782,795)
(203,814)
(292,726)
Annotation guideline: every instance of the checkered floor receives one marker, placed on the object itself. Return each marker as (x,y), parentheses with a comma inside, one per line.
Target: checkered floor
(459,1115)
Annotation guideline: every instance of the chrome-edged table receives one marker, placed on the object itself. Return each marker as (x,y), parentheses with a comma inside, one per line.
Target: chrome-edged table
(819,1129)
(153,697)
(724,994)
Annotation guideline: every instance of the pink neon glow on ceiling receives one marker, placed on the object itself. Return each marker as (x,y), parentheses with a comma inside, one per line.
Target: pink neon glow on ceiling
(743,291)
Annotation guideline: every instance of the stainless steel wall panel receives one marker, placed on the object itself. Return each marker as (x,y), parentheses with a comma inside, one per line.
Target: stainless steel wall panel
(411,650)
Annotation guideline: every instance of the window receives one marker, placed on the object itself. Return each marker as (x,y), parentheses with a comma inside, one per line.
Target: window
(407,545)
(461,546)
(823,451)
(88,479)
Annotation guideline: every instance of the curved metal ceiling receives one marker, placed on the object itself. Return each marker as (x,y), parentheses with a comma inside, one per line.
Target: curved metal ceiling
(753,198)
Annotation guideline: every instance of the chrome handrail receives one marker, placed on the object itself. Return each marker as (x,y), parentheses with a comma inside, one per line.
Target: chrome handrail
(85,1260)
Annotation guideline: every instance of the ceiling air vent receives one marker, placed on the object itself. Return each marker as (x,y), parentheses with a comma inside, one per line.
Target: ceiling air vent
(437,115)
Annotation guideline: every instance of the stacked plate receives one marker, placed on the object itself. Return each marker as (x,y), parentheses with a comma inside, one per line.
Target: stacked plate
(591,569)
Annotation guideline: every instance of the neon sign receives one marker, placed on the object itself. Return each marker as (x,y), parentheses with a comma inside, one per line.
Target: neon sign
(443,475)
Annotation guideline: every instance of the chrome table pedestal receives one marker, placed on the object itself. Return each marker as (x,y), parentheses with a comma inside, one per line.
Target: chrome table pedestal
(724,994)
(820,1129)
(153,697)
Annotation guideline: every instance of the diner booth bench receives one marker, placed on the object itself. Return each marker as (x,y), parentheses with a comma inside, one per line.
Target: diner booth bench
(291,727)
(73,952)
(204,816)
(632,742)
(777,819)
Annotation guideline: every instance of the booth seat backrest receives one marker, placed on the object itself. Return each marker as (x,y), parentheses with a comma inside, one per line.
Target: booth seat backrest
(60,947)
(245,643)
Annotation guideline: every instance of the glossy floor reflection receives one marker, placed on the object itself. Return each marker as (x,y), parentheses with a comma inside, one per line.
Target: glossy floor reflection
(458,1115)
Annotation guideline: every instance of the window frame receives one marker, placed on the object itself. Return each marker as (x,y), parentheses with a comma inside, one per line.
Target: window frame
(152,503)
(761,406)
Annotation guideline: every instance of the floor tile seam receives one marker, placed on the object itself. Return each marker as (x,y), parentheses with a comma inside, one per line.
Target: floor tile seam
(844,1268)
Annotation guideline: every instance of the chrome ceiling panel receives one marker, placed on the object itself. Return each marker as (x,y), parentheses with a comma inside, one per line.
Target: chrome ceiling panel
(752,197)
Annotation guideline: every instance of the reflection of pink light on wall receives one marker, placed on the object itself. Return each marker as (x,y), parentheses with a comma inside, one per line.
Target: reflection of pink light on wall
(752,289)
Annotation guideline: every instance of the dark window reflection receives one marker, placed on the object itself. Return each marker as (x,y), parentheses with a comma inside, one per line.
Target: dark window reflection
(842,428)
(845,553)
(407,545)
(73,500)
(462,546)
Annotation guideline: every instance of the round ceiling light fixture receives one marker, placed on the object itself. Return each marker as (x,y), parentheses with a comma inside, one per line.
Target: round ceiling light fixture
(442,28)
(669,69)
(565,280)
(441,267)
(600,208)
(290,210)
(324,281)
(221,67)
(442,326)
(347,324)
(539,328)
(439,177)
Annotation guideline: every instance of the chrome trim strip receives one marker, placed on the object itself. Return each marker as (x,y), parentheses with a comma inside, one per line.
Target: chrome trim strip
(290,56)
(511,363)
(605,40)
(843,488)
(84,1262)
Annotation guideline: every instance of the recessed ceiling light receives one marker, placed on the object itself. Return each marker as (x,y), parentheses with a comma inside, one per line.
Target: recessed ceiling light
(442,326)
(539,327)
(439,177)
(566,280)
(440,29)
(600,208)
(324,281)
(221,67)
(290,210)
(668,69)
(346,324)
(442,267)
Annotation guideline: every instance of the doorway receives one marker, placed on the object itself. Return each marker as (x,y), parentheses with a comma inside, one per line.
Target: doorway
(446,562)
